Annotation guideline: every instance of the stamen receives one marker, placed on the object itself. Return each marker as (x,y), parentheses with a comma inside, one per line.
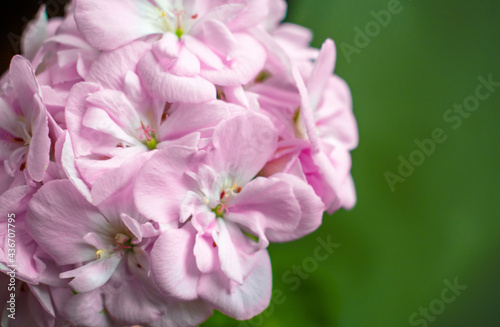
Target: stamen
(120,240)
(145,131)
(179,14)
(236,188)
(223,206)
(194,16)
(121,247)
(98,254)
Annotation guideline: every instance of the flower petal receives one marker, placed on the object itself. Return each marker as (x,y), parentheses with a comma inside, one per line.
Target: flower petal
(59,217)
(191,118)
(246,62)
(323,70)
(171,88)
(87,309)
(110,68)
(311,210)
(39,148)
(173,264)
(243,145)
(92,275)
(229,261)
(240,301)
(126,21)
(266,204)
(160,187)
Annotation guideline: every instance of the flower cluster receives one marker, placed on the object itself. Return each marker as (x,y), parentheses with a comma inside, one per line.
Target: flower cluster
(152,149)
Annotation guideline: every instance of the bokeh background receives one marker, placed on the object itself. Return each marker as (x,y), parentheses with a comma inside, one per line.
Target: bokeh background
(395,248)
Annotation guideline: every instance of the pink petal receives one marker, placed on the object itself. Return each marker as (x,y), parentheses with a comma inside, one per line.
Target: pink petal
(266,205)
(75,111)
(206,254)
(160,188)
(255,13)
(167,48)
(39,148)
(173,264)
(24,83)
(92,275)
(132,303)
(219,38)
(311,210)
(110,68)
(117,106)
(243,145)
(59,217)
(118,179)
(203,52)
(9,121)
(323,70)
(187,64)
(172,88)
(86,309)
(306,111)
(228,257)
(68,164)
(190,118)
(191,313)
(246,62)
(126,21)
(240,301)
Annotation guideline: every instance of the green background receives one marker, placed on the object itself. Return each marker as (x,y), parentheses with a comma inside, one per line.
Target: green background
(397,248)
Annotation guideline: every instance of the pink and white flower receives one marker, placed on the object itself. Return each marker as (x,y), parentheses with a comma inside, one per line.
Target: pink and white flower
(153,149)
(195,45)
(230,216)
(24,129)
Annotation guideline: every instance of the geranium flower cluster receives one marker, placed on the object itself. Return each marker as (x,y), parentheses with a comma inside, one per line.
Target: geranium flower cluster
(152,149)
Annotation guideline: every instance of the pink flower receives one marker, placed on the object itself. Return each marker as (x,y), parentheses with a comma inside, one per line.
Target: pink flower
(195,44)
(230,216)
(24,130)
(316,125)
(331,127)
(152,149)
(106,248)
(60,56)
(111,119)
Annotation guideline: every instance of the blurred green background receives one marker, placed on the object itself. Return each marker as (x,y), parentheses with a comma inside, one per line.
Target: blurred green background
(396,249)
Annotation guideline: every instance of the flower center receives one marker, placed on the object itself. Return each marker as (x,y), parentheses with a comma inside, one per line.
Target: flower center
(123,242)
(150,141)
(222,206)
(176,20)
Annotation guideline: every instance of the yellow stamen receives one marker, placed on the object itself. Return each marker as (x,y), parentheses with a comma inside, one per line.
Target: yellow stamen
(98,253)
